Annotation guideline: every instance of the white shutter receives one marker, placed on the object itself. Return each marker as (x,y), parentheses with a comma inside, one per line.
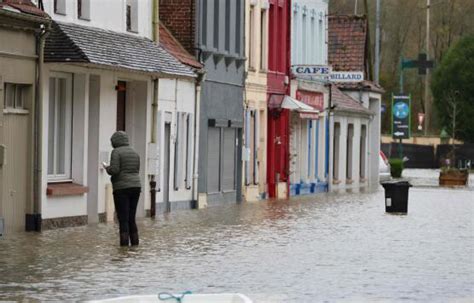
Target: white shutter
(247,145)
(160,140)
(256,144)
(179,154)
(190,151)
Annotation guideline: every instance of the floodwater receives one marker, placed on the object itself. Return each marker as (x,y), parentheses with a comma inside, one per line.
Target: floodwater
(328,248)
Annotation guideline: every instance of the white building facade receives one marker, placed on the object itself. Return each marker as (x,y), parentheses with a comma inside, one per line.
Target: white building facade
(308,133)
(105,73)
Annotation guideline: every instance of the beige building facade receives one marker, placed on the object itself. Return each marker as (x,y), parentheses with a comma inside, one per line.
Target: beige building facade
(255,100)
(18,72)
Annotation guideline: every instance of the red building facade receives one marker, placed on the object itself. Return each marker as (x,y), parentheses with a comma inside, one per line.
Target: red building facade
(278,86)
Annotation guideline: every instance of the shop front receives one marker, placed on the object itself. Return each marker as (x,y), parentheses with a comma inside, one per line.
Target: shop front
(307,142)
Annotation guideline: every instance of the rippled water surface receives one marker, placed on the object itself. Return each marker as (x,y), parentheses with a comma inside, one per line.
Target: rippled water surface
(329,248)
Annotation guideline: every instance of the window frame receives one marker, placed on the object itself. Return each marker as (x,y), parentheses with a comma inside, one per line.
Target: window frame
(15,89)
(84,10)
(59,7)
(131,15)
(67,175)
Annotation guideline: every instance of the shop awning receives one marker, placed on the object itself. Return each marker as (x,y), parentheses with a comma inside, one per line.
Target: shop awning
(305,111)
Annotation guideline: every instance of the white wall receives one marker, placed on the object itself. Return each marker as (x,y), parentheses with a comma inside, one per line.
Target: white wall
(106,14)
(343,183)
(309,32)
(137,120)
(175,96)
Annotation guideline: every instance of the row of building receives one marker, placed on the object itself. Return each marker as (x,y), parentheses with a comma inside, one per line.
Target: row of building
(224,100)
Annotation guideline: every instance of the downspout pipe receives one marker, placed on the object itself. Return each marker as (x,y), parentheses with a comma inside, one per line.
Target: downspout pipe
(154,106)
(33,221)
(197,109)
(154,140)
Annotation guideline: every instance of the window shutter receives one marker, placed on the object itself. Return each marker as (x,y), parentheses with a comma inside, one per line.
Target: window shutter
(228,181)
(256,144)
(213,159)
(161,142)
(178,151)
(190,149)
(247,146)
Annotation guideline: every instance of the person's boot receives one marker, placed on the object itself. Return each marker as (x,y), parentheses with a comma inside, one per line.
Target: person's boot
(134,239)
(124,237)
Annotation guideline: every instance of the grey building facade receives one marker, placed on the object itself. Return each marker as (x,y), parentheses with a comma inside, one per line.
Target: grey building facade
(215,33)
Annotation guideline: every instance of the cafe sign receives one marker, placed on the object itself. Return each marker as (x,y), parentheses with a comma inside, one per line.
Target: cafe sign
(320,71)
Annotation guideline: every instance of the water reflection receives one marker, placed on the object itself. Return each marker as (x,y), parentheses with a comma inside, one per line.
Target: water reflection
(332,247)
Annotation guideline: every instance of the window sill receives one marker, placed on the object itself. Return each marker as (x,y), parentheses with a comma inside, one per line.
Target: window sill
(335,181)
(133,31)
(65,189)
(16,111)
(84,18)
(349,181)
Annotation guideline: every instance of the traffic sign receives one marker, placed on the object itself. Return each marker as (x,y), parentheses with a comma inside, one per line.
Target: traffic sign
(401,115)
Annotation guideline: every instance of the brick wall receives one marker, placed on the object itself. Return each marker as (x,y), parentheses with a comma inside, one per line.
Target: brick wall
(179,17)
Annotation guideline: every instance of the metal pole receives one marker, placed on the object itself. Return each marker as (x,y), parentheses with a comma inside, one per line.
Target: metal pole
(427,77)
(355,7)
(377,43)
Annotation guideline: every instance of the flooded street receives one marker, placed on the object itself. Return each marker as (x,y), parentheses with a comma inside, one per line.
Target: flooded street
(327,248)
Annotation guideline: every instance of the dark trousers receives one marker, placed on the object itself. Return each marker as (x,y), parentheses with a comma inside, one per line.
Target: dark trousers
(126,201)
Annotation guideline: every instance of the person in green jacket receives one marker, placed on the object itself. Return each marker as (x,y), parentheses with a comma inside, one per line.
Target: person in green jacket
(124,170)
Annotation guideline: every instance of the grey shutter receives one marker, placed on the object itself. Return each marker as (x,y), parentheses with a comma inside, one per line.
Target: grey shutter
(228,181)
(213,159)
(190,151)
(160,141)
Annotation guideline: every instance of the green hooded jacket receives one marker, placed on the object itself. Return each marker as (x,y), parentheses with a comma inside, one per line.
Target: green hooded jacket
(124,163)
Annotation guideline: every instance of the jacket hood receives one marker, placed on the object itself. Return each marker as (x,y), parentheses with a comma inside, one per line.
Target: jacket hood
(119,138)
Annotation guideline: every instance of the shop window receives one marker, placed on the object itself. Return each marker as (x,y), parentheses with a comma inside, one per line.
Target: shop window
(60,128)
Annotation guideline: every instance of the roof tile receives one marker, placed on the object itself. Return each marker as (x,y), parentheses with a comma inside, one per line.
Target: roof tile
(347,42)
(84,44)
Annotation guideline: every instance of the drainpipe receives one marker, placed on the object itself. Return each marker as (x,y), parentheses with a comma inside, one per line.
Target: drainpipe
(33,221)
(156,22)
(154,106)
(154,139)
(197,109)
